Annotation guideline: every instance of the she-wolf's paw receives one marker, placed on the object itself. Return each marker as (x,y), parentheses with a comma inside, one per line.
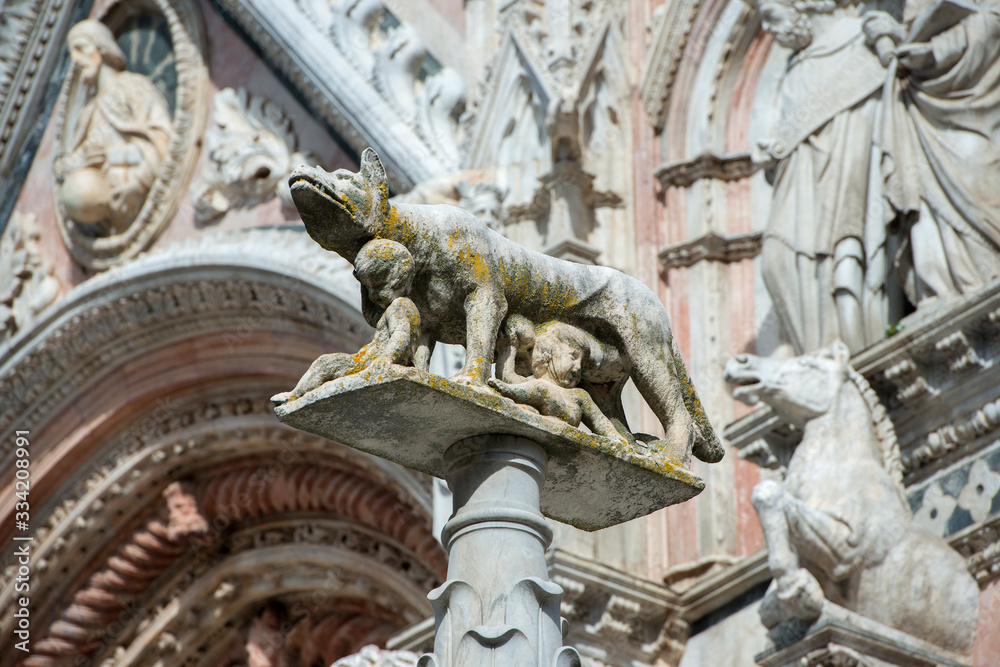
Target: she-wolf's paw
(282,398)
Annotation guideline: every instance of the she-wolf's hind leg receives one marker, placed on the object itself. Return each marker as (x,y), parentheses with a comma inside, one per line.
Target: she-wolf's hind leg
(662,380)
(706,443)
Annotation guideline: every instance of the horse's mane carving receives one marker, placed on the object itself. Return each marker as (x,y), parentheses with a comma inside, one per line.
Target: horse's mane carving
(885,432)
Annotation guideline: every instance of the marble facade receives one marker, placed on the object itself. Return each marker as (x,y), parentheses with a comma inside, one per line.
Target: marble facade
(176,522)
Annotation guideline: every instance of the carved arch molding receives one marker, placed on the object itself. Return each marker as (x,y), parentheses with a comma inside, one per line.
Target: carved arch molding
(194,528)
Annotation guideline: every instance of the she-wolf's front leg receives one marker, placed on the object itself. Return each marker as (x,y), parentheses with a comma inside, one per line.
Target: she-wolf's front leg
(485,308)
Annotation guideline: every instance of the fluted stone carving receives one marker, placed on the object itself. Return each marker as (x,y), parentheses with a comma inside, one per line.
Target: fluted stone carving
(497,611)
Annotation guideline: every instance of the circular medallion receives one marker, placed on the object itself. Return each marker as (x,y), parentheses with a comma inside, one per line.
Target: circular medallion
(128,122)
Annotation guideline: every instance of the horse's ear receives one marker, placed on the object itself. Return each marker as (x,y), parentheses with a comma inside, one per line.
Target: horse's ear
(841,353)
(371,169)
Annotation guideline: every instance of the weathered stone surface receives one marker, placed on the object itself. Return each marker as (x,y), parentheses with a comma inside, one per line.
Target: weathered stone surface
(468,279)
(411,417)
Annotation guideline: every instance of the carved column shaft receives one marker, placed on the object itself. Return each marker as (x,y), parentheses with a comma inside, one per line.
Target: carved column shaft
(497,606)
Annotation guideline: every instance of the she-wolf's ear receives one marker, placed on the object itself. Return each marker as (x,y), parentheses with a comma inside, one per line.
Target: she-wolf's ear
(371,169)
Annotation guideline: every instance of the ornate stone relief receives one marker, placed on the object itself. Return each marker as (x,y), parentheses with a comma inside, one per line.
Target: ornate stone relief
(326,597)
(834,655)
(550,99)
(707,165)
(485,201)
(27,284)
(128,122)
(252,150)
(372,656)
(615,618)
(184,436)
(147,301)
(355,61)
(146,555)
(271,486)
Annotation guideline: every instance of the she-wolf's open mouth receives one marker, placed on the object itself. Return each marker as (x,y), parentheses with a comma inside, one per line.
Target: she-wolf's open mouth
(302,181)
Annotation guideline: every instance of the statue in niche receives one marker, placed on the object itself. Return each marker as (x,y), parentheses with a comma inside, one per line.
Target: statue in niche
(940,145)
(117,138)
(385,270)
(838,526)
(467,279)
(885,181)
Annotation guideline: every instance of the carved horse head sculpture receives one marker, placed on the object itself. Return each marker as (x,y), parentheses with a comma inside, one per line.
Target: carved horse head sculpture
(838,527)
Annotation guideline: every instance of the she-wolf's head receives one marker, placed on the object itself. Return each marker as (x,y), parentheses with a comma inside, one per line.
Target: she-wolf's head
(340,209)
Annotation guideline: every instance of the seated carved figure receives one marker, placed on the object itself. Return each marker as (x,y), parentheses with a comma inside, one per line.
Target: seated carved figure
(556,363)
(385,271)
(838,526)
(468,279)
(120,135)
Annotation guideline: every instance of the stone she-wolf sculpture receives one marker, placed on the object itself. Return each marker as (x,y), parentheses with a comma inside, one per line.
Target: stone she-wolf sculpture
(468,279)
(838,527)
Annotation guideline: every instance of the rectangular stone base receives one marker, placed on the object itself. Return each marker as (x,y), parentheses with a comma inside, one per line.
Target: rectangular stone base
(845,639)
(411,417)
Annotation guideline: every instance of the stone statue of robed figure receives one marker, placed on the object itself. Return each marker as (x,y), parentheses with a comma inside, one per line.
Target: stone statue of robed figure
(885,162)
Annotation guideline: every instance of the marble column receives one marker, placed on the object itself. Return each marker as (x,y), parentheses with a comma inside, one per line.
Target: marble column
(497,606)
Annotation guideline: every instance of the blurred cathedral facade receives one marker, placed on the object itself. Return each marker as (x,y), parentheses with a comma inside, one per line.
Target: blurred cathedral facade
(157,287)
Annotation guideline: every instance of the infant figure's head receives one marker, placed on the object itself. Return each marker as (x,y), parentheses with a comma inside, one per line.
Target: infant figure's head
(558,354)
(385,269)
